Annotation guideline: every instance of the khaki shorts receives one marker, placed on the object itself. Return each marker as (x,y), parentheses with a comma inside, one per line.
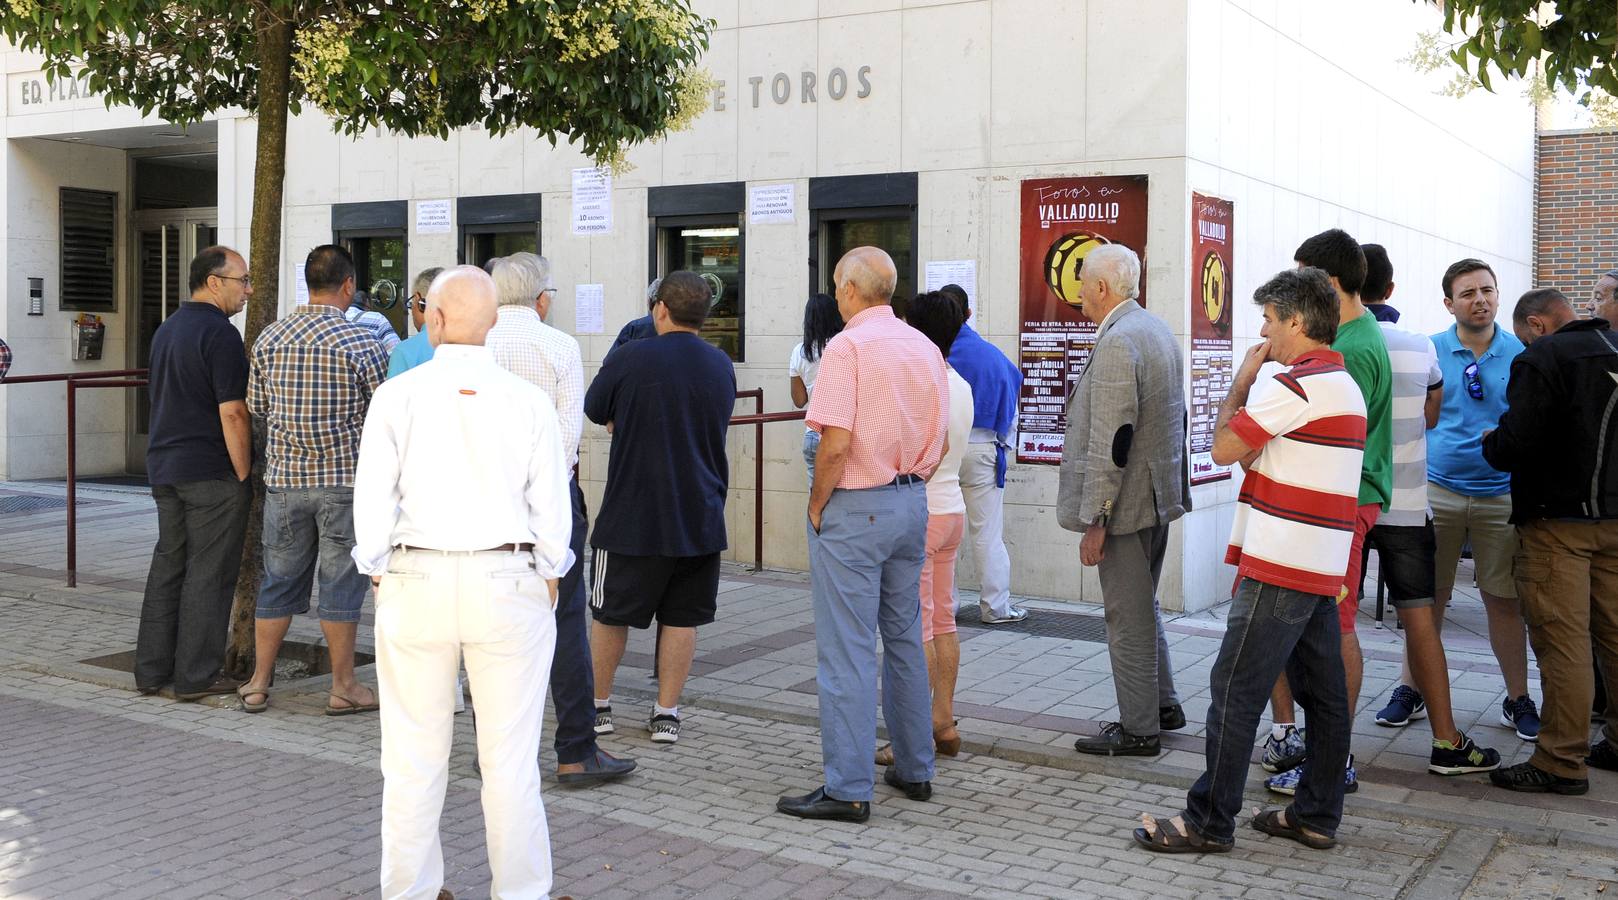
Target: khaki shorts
(1485,521)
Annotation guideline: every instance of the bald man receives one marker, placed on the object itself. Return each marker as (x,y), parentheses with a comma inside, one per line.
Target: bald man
(881,405)
(461,519)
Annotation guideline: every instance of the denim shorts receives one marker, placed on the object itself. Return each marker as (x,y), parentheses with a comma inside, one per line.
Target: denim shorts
(308,532)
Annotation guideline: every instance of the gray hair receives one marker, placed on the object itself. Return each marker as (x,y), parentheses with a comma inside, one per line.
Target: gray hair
(542,267)
(1304,293)
(425,280)
(651,291)
(517,281)
(1117,267)
(1613,274)
(871,271)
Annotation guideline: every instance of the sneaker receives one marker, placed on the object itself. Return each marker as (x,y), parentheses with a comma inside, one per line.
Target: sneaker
(604,720)
(1013,614)
(1521,716)
(1284,753)
(664,729)
(1462,760)
(1530,779)
(1404,705)
(1603,755)
(1287,782)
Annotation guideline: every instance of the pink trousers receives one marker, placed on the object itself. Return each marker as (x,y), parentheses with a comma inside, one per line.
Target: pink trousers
(944,534)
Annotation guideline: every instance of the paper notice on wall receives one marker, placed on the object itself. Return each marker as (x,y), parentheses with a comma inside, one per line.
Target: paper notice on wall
(432,217)
(300,288)
(963,273)
(589,308)
(592,201)
(771,203)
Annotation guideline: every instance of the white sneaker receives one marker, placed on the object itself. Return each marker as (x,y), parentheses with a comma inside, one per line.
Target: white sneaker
(1013,614)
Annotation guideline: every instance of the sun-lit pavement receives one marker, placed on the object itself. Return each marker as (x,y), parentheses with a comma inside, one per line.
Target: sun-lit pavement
(104,793)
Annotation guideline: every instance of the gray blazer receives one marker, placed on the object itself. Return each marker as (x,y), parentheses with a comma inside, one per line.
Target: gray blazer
(1125,446)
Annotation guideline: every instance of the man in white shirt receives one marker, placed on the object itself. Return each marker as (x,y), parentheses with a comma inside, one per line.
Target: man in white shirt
(547,358)
(461,522)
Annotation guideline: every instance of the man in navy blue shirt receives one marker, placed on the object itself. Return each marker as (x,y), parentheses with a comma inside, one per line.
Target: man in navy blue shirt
(636,329)
(198,452)
(667,401)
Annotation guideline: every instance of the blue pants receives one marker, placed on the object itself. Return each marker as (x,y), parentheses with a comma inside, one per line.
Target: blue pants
(865,570)
(572,678)
(1271,628)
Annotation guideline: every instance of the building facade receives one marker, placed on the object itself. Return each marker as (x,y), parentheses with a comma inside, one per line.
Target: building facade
(918,126)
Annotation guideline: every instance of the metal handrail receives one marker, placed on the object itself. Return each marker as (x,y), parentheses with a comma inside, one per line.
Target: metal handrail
(73,387)
(74,376)
(758,420)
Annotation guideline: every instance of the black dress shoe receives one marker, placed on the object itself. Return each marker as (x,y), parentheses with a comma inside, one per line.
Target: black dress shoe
(1115,741)
(1603,755)
(816,805)
(221,685)
(602,766)
(1170,718)
(920,791)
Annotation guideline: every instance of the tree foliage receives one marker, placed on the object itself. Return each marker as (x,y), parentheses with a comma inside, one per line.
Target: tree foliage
(1575,42)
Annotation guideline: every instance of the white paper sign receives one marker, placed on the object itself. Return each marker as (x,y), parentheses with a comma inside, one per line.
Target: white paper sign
(770,203)
(300,288)
(589,308)
(960,272)
(592,201)
(432,217)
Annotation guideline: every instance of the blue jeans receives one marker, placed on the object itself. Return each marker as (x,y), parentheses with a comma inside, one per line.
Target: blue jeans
(303,528)
(865,573)
(811,446)
(1272,629)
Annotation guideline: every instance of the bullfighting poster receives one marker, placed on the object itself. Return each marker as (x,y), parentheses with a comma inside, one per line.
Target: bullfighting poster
(1212,362)
(1062,220)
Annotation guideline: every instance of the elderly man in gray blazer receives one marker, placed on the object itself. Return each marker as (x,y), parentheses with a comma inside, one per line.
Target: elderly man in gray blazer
(1123,480)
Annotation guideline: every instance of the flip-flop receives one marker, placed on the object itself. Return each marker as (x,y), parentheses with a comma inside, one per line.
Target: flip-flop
(1160,838)
(1273,822)
(243,692)
(352,707)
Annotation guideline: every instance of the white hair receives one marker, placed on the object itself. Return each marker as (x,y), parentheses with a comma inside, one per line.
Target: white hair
(1118,268)
(518,281)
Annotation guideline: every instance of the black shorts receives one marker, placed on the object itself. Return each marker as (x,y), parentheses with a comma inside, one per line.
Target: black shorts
(680,591)
(1405,556)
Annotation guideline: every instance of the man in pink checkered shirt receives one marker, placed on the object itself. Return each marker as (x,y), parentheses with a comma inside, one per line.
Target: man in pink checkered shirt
(881,405)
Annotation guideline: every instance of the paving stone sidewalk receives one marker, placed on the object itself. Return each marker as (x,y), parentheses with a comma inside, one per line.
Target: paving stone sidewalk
(129,796)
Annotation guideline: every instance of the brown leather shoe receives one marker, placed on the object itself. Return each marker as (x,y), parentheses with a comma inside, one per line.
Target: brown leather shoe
(220,685)
(444,894)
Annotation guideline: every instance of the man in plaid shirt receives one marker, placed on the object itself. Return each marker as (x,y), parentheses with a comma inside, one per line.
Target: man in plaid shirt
(311,379)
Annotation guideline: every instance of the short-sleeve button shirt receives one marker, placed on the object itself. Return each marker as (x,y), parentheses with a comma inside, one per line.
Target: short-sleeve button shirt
(885,383)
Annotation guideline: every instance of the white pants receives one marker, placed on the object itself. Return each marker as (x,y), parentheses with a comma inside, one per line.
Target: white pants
(985,522)
(431,608)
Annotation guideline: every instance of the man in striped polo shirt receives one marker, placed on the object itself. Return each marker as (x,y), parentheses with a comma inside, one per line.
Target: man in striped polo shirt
(1300,435)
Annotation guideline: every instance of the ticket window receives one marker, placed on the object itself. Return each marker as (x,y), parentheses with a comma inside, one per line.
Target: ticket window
(382,271)
(893,231)
(712,247)
(481,244)
(496,225)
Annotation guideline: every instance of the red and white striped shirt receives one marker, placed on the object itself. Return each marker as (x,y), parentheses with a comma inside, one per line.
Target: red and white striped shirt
(1295,516)
(885,383)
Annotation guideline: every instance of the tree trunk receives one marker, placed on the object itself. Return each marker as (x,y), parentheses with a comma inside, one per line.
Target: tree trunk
(273,30)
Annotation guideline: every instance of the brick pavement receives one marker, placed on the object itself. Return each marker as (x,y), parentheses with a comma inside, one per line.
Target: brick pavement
(1019,814)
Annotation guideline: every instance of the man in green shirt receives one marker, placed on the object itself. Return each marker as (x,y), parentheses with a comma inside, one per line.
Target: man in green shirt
(1365,356)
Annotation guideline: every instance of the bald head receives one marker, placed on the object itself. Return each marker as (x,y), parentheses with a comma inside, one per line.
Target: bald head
(461,306)
(864,277)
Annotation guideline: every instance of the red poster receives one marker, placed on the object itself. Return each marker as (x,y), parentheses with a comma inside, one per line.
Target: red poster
(1062,219)
(1212,364)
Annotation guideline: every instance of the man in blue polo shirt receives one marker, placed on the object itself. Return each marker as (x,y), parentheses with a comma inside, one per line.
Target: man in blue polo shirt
(1471,500)
(198,452)
(416,349)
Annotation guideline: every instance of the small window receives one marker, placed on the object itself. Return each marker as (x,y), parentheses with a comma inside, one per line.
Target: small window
(486,242)
(497,225)
(382,272)
(892,230)
(710,246)
(89,250)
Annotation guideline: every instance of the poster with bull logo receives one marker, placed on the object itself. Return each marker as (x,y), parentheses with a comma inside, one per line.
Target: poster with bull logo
(1062,220)
(1212,246)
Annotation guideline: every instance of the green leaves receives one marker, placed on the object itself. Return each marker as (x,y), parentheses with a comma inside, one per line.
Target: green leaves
(1574,41)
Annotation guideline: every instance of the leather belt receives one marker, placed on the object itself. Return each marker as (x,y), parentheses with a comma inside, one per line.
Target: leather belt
(907,479)
(503,548)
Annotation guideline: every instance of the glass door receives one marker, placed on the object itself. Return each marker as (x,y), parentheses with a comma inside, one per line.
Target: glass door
(165,242)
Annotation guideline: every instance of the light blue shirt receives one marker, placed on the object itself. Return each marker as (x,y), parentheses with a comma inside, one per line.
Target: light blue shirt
(411,352)
(1455,447)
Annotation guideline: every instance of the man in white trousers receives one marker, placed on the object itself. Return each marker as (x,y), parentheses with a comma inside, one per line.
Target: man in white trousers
(462,520)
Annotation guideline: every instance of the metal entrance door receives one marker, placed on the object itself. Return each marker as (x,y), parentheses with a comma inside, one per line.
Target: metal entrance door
(165,242)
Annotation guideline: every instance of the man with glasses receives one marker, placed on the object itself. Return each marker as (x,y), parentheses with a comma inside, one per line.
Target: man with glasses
(198,452)
(524,345)
(1606,297)
(1470,499)
(416,349)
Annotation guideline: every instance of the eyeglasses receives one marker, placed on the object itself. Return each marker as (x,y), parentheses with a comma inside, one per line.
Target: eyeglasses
(246,280)
(1474,385)
(418,301)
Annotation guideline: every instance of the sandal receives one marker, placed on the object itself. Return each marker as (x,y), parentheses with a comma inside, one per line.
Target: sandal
(947,746)
(354,706)
(245,691)
(884,755)
(1274,822)
(1177,837)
